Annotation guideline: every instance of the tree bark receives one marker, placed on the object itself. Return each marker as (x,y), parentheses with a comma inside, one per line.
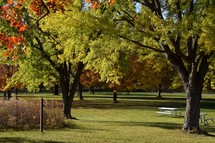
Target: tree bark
(9,94)
(194,92)
(56,89)
(91,89)
(69,88)
(67,105)
(192,113)
(115,96)
(5,95)
(193,85)
(159,91)
(16,93)
(80,91)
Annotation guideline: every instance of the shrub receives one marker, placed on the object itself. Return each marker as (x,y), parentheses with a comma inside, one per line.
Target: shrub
(25,114)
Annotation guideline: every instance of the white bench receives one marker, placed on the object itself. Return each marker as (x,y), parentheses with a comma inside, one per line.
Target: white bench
(208,119)
(205,120)
(164,113)
(168,111)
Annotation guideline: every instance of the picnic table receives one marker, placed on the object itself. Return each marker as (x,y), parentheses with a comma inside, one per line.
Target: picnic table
(168,111)
(205,120)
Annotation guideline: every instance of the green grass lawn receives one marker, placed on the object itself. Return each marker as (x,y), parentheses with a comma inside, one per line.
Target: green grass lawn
(132,120)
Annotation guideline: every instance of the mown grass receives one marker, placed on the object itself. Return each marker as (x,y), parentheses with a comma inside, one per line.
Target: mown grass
(132,120)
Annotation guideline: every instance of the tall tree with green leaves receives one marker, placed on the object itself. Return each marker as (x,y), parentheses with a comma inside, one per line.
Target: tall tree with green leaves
(182,30)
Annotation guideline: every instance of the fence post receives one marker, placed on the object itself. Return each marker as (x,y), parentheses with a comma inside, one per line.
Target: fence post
(41,115)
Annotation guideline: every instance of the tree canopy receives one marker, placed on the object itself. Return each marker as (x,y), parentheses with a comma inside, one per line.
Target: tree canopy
(179,30)
(102,35)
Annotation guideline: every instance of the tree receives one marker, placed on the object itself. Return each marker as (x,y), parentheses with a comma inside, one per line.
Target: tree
(6,72)
(90,79)
(149,73)
(178,30)
(55,54)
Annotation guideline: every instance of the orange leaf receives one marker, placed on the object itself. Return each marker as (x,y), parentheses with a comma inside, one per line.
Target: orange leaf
(94,5)
(112,2)
(15,57)
(22,28)
(10,1)
(19,6)
(5,7)
(13,40)
(6,54)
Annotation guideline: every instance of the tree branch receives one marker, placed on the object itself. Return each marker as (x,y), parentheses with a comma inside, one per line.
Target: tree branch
(44,15)
(45,55)
(178,6)
(176,44)
(154,5)
(142,45)
(203,68)
(130,21)
(191,7)
(159,9)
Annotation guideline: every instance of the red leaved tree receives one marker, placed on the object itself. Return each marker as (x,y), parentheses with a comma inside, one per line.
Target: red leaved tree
(6,72)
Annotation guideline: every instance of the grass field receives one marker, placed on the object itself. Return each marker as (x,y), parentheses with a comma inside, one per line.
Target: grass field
(132,120)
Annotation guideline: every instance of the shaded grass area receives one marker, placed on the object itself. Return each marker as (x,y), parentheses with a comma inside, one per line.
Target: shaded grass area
(132,120)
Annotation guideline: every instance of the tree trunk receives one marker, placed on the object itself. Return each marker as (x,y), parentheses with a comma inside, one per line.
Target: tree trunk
(69,89)
(192,73)
(91,89)
(193,88)
(8,94)
(66,102)
(80,91)
(128,93)
(56,89)
(192,113)
(159,91)
(16,93)
(5,95)
(67,105)
(114,96)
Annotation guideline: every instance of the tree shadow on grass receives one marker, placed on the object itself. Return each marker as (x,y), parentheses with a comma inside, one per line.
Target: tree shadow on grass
(105,101)
(162,125)
(127,104)
(21,140)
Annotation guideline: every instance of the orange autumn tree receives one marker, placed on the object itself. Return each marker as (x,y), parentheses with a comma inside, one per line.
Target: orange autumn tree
(6,72)
(16,21)
(12,29)
(151,74)
(14,16)
(90,79)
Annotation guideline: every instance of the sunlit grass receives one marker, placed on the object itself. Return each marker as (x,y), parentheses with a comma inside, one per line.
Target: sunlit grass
(129,121)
